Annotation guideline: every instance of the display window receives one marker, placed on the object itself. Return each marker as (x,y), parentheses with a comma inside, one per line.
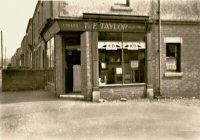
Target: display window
(121,58)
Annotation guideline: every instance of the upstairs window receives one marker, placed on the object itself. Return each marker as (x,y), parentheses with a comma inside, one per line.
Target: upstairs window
(122,2)
(173,57)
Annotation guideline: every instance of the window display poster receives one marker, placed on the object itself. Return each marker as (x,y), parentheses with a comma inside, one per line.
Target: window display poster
(171,64)
(103,65)
(119,70)
(134,64)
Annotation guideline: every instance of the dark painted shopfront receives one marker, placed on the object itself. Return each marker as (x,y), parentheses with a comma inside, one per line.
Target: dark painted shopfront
(101,56)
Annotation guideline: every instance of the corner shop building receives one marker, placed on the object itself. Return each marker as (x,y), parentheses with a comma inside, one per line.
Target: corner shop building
(97,56)
(118,54)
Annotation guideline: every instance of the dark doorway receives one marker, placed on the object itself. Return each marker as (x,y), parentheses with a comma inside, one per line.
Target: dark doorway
(73,57)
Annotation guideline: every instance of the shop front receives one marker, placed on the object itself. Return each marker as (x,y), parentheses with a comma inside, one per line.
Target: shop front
(102,56)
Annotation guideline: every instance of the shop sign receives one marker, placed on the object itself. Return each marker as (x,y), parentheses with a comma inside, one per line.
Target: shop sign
(99,26)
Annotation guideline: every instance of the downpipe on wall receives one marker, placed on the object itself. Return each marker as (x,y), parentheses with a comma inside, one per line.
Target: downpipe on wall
(159,48)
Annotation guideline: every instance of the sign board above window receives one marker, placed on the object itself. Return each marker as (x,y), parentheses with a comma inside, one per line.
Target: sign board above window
(114,45)
(173,40)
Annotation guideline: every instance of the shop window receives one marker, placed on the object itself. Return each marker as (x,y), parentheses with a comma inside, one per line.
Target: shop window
(121,58)
(173,57)
(110,66)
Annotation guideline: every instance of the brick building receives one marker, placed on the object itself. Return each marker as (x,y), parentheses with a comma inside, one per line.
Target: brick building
(116,48)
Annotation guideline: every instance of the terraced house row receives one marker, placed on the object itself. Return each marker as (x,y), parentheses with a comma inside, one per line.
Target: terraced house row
(116,48)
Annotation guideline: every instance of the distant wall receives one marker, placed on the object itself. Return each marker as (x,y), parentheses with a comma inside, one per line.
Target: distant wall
(14,80)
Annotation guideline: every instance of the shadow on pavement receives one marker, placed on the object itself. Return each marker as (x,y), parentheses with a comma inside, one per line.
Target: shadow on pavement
(30,96)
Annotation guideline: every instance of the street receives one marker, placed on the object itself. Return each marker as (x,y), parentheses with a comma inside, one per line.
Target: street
(40,115)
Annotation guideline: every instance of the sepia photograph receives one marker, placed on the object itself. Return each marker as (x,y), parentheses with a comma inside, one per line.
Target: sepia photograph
(100,70)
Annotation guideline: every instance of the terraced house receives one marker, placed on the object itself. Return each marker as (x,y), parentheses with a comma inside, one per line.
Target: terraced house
(116,48)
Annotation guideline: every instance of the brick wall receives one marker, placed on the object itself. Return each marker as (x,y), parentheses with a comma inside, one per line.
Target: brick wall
(76,8)
(14,80)
(126,91)
(189,84)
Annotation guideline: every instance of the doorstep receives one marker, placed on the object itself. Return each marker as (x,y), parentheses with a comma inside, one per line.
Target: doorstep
(72,96)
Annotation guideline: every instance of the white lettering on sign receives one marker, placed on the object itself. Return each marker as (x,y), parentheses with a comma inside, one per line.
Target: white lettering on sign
(113,26)
(105,26)
(134,45)
(109,45)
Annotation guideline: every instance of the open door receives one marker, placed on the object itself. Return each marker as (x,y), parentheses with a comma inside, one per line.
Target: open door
(72,70)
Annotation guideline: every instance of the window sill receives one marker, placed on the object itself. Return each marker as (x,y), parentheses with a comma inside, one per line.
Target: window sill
(117,85)
(173,74)
(121,8)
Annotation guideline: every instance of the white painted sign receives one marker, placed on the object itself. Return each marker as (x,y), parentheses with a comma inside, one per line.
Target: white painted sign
(134,45)
(114,45)
(109,45)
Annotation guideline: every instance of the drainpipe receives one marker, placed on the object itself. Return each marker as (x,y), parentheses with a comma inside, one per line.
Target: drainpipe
(159,45)
(32,61)
(1,49)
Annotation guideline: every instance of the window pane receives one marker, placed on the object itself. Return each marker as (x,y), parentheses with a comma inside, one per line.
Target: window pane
(171,50)
(110,36)
(110,66)
(134,57)
(134,65)
(173,57)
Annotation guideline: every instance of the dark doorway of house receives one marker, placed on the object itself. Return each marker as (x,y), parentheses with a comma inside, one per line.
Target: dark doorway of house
(73,59)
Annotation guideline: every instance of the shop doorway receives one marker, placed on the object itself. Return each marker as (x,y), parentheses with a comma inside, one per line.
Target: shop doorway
(72,70)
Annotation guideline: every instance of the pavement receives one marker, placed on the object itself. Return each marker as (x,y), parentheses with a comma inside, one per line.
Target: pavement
(33,115)
(40,115)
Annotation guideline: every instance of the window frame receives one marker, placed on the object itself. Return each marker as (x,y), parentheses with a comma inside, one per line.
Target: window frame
(127,3)
(178,40)
(121,6)
(177,56)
